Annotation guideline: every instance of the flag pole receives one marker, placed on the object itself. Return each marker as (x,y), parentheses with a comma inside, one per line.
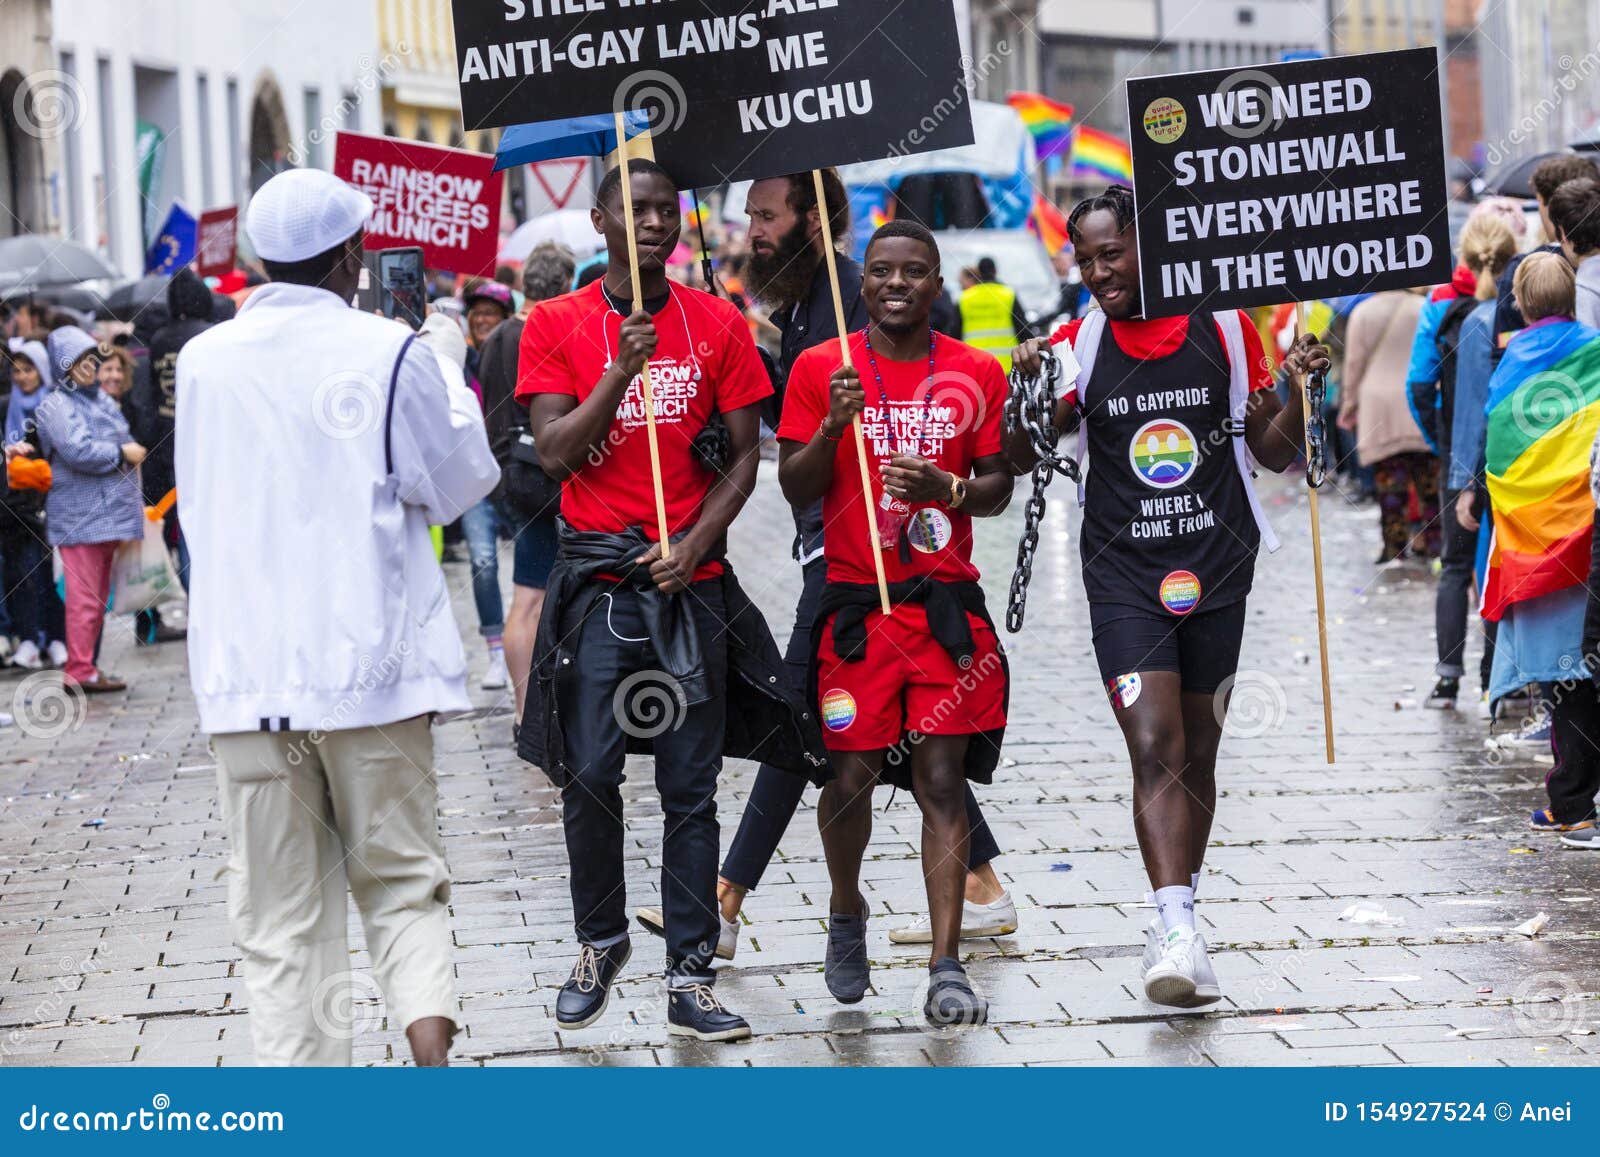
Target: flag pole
(844,352)
(1316,556)
(644,372)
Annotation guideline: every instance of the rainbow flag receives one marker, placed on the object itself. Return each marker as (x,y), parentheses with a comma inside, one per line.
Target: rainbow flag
(1049,223)
(1049,122)
(1544,411)
(1100,156)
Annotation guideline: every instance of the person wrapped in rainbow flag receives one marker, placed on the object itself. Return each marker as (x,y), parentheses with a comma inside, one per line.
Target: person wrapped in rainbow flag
(1543,414)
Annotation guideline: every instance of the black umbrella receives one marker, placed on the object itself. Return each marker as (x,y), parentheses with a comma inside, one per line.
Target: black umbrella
(1515,178)
(74,297)
(127,302)
(32,260)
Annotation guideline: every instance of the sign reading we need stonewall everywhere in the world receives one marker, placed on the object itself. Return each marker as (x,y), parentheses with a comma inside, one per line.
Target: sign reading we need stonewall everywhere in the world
(1289,182)
(735,88)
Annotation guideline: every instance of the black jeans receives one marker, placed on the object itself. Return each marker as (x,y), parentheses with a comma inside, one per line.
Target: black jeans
(776,794)
(618,691)
(1575,732)
(1451,603)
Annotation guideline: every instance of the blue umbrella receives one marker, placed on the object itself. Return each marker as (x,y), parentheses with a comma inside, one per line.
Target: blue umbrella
(587,136)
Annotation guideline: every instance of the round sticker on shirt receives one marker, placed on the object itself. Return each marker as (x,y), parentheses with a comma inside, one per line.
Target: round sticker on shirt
(838,710)
(929,530)
(1180,591)
(1163,453)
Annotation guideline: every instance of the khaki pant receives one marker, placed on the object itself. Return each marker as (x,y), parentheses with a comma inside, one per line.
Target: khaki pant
(308,813)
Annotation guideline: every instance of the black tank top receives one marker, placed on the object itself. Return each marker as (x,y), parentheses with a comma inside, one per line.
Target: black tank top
(1167,524)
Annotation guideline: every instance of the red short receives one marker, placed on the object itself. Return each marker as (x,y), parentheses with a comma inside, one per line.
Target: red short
(908,682)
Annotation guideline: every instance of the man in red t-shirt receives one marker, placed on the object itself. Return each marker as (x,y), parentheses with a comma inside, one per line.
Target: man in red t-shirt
(1169,539)
(930,675)
(620,617)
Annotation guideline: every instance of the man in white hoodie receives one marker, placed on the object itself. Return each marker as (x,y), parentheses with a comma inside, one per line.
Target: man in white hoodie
(315,446)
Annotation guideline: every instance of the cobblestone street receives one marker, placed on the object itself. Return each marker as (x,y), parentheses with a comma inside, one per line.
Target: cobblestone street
(115,947)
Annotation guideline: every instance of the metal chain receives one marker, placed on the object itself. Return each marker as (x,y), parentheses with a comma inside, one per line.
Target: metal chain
(1031,407)
(1316,430)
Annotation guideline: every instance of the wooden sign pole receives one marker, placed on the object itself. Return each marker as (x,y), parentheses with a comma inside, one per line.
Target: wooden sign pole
(844,352)
(644,373)
(1316,555)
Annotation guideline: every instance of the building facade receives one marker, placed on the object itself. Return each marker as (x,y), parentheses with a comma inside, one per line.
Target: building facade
(200,102)
(36,110)
(1089,50)
(1541,90)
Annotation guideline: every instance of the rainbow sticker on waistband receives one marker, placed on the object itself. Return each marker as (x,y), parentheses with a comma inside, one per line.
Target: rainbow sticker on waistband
(838,710)
(1163,453)
(1180,591)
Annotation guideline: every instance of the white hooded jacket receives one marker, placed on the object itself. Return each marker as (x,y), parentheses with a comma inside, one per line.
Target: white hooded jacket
(306,492)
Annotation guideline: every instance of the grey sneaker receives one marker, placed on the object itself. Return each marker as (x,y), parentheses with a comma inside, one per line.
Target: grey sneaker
(951,1002)
(847,970)
(1586,838)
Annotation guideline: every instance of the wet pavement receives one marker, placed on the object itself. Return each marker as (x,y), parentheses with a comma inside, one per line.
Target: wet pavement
(115,949)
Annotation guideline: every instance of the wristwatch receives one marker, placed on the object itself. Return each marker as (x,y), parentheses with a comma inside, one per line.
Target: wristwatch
(958,493)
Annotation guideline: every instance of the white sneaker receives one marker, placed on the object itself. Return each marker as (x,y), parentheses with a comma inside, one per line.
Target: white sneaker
(27,655)
(652,920)
(977,920)
(1153,934)
(57,650)
(1183,977)
(496,677)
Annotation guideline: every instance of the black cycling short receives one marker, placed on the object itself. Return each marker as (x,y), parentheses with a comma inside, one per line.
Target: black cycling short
(1202,647)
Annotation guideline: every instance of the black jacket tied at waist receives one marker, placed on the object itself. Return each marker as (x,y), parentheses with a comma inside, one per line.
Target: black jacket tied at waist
(765,720)
(947,605)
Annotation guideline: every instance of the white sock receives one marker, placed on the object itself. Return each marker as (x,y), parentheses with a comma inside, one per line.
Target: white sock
(1176,905)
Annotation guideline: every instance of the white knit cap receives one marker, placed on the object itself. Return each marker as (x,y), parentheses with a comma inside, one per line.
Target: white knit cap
(303,212)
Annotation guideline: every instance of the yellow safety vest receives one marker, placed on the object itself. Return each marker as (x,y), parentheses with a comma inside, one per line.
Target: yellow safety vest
(986,320)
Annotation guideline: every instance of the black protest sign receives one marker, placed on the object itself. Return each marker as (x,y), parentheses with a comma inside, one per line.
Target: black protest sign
(1289,182)
(735,88)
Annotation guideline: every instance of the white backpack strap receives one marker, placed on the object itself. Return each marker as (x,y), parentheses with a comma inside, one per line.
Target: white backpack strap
(1084,349)
(1238,402)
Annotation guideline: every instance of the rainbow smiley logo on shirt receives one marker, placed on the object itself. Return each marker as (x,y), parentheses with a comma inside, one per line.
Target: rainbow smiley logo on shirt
(1163,453)
(1180,591)
(838,710)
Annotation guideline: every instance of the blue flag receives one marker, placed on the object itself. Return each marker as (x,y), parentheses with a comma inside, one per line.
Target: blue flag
(176,243)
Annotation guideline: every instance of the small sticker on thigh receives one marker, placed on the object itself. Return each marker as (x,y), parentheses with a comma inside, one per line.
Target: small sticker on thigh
(1124,690)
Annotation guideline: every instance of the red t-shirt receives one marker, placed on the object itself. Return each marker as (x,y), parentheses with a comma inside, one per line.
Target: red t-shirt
(705,360)
(1157,337)
(962,423)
